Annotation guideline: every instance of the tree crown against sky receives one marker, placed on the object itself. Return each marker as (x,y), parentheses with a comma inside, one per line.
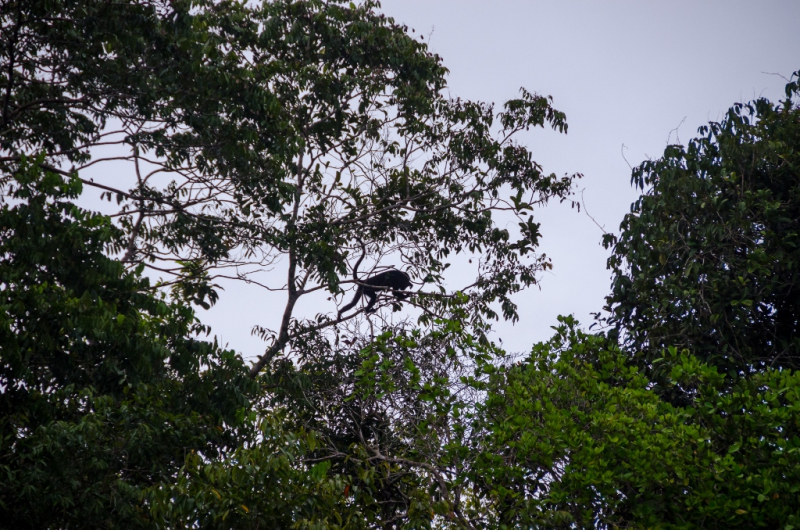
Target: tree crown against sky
(291,136)
(684,413)
(708,258)
(312,132)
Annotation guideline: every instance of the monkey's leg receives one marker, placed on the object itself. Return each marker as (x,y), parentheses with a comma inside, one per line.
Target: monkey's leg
(373,297)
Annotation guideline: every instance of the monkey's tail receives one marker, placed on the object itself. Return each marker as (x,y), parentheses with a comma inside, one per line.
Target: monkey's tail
(357,296)
(363,255)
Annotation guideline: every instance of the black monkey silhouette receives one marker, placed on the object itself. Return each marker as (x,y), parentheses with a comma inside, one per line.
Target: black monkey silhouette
(391,280)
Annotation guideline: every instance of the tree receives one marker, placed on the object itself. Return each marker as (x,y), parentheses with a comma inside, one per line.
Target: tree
(576,438)
(308,135)
(391,413)
(708,258)
(685,414)
(106,390)
(366,438)
(304,132)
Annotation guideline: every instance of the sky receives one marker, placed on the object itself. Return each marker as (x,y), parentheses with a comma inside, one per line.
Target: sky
(631,76)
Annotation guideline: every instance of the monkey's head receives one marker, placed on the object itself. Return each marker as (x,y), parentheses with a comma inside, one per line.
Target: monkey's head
(402,280)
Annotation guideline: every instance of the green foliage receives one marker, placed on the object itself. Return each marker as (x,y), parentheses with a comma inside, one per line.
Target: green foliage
(709,257)
(687,414)
(358,437)
(301,131)
(226,95)
(314,134)
(304,132)
(104,387)
(576,438)
(389,414)
(258,487)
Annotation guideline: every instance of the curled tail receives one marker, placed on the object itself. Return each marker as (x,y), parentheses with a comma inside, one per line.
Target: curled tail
(359,291)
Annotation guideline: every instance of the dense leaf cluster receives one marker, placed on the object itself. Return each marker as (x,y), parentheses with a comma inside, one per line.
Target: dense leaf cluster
(685,413)
(104,389)
(578,439)
(709,257)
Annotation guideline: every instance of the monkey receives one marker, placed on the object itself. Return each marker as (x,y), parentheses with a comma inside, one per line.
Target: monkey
(391,280)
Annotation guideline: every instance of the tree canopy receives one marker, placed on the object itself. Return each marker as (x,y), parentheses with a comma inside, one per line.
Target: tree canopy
(105,387)
(301,147)
(708,257)
(305,135)
(576,438)
(684,412)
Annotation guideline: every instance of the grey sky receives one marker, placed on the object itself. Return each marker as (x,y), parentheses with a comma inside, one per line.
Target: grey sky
(625,72)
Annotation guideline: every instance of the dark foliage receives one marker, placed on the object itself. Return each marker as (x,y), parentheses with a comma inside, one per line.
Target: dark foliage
(709,258)
(105,390)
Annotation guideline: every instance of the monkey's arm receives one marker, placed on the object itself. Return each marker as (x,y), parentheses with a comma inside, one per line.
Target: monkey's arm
(400,295)
(353,302)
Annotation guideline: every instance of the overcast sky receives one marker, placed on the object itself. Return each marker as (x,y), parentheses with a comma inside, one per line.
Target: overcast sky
(627,73)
